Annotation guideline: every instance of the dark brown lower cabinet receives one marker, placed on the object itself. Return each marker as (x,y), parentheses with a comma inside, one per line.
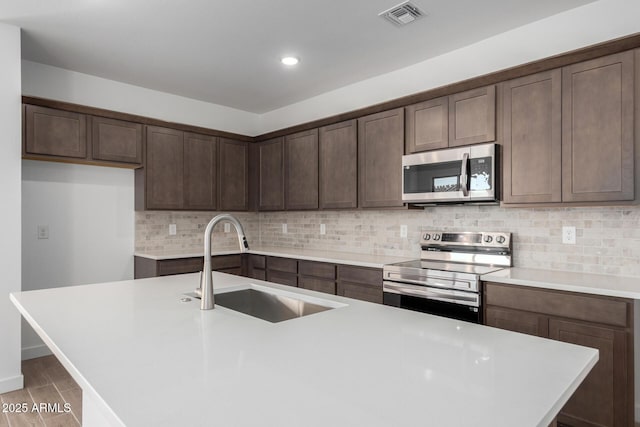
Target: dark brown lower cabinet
(360,283)
(255,266)
(606,396)
(282,270)
(317,276)
(146,267)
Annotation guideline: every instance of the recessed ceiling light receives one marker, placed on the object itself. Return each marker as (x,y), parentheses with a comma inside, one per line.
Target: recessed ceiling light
(289,60)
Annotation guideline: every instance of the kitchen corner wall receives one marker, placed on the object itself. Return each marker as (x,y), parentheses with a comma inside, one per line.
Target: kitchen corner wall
(608,239)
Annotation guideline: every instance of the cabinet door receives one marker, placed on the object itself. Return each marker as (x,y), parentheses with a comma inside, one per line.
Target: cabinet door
(532,138)
(360,292)
(601,399)
(472,116)
(381,146)
(301,170)
(55,132)
(317,284)
(116,140)
(338,168)
(597,129)
(517,321)
(271,160)
(234,175)
(427,126)
(200,172)
(164,168)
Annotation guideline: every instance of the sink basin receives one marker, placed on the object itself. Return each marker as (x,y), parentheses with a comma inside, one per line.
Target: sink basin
(272,305)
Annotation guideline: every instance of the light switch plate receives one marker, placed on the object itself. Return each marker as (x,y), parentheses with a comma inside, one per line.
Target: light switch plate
(403,231)
(227,227)
(172,229)
(284,228)
(569,235)
(323,229)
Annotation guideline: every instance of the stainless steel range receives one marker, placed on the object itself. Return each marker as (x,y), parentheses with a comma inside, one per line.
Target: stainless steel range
(446,280)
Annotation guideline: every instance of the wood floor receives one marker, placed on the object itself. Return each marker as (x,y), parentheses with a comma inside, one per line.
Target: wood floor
(52,398)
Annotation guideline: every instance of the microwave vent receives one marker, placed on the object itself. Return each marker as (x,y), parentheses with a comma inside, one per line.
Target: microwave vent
(402,14)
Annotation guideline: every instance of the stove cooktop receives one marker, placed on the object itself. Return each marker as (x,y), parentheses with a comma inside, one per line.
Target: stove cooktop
(448,266)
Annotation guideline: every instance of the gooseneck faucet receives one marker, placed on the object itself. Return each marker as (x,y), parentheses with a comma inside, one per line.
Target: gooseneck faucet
(206,282)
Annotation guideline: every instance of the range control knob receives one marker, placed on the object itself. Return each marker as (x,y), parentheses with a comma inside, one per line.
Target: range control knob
(488,239)
(436,237)
(500,239)
(426,236)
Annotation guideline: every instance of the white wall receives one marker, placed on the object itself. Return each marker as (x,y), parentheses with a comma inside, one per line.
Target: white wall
(10,137)
(89,211)
(593,23)
(45,81)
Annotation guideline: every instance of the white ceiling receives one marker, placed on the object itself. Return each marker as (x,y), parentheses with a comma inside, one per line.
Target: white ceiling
(228,52)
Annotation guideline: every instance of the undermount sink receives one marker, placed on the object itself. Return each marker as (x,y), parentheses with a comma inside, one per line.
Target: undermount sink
(272,305)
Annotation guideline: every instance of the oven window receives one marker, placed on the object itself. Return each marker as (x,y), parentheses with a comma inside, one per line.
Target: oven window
(432,177)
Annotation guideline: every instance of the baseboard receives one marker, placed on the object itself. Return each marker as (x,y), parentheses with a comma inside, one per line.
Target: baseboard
(35,351)
(11,384)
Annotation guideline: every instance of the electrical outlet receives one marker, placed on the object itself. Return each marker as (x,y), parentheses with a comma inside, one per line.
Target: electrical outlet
(172,229)
(403,231)
(284,228)
(227,227)
(323,229)
(43,232)
(569,235)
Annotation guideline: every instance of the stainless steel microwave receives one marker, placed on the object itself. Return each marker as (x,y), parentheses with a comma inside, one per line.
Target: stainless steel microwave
(464,174)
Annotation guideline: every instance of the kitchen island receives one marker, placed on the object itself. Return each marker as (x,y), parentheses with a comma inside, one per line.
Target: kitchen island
(144,357)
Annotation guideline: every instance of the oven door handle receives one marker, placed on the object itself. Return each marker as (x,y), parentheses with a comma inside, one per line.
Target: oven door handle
(464,178)
(455,297)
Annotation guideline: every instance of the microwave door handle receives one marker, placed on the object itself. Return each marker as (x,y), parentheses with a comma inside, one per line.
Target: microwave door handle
(464,178)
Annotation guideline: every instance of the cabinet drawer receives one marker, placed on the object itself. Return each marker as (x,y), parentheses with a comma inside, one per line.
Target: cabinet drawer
(179,266)
(360,291)
(257,261)
(605,310)
(282,264)
(317,269)
(226,261)
(364,275)
(517,321)
(283,278)
(315,284)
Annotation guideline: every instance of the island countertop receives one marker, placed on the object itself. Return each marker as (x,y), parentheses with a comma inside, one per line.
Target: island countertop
(143,357)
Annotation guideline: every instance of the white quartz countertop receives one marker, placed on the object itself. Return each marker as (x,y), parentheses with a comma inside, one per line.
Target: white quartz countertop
(614,286)
(149,359)
(362,260)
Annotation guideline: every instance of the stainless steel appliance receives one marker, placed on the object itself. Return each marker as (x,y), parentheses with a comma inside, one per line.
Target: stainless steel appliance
(464,174)
(446,279)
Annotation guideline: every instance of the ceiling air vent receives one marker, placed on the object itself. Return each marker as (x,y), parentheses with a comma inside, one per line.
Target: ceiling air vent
(402,14)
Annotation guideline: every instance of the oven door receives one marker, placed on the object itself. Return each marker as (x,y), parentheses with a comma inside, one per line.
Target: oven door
(442,302)
(452,175)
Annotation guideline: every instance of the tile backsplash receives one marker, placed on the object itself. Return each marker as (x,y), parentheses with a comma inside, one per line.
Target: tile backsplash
(608,238)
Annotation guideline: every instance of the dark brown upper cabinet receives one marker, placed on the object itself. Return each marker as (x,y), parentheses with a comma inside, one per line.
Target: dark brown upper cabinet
(380,150)
(301,170)
(532,138)
(54,132)
(234,175)
(598,129)
(472,116)
(164,171)
(116,140)
(200,172)
(427,125)
(460,119)
(338,165)
(271,180)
